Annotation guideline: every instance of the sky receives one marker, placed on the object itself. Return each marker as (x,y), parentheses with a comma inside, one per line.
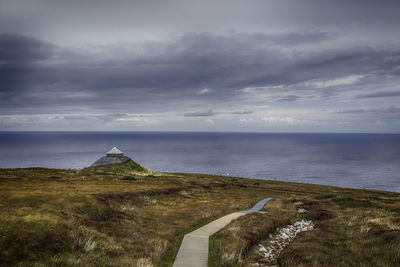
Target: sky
(183,65)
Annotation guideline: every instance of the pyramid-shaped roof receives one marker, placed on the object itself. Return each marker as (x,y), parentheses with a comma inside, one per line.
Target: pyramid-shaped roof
(114,151)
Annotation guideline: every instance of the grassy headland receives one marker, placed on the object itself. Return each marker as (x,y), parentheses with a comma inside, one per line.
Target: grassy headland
(126,215)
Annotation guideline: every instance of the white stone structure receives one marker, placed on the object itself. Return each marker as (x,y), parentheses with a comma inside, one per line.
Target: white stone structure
(115,152)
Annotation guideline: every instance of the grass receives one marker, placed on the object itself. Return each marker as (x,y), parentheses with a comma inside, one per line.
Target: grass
(125,215)
(353,228)
(232,245)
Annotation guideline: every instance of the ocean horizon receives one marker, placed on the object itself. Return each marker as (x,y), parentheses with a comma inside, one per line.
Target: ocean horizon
(354,160)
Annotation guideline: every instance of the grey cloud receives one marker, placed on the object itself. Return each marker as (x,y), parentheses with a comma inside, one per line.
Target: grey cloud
(101,117)
(93,64)
(21,49)
(79,21)
(386,112)
(391,110)
(351,111)
(75,117)
(208,113)
(380,94)
(382,117)
(246,112)
(289,98)
(293,39)
(140,77)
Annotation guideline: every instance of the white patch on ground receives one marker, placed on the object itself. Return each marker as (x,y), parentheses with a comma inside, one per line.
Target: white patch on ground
(280,239)
(301,210)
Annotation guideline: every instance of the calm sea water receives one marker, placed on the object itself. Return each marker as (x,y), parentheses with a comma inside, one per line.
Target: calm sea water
(349,160)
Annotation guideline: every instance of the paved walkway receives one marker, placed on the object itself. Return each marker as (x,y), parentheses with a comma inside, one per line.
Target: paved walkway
(194,248)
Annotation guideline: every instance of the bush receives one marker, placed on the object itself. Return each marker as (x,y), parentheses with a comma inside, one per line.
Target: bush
(129,178)
(348,202)
(325,196)
(32,240)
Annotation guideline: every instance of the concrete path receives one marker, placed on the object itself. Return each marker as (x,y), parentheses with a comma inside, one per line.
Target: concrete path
(194,248)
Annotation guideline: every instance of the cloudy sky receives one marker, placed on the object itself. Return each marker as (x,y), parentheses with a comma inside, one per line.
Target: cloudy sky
(248,66)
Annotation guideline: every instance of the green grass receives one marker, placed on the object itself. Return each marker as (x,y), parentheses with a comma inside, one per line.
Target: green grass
(325,196)
(125,215)
(129,178)
(33,239)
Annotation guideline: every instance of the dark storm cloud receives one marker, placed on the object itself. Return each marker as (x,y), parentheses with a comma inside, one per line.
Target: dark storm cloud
(21,49)
(104,21)
(37,74)
(172,64)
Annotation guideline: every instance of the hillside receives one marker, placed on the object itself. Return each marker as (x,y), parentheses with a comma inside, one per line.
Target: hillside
(126,215)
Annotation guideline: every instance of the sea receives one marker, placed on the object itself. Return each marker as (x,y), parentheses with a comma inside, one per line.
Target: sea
(370,161)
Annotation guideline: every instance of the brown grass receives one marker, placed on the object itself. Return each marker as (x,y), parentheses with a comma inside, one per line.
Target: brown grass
(98,217)
(353,228)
